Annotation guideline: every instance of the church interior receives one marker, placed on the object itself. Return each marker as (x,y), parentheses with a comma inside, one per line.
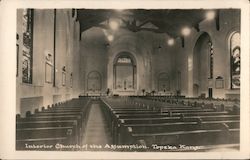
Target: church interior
(128,80)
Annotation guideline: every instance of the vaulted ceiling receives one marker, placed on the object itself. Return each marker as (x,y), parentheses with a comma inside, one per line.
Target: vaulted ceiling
(169,21)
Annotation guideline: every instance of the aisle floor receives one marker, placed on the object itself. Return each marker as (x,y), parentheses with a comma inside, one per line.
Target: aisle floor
(97,130)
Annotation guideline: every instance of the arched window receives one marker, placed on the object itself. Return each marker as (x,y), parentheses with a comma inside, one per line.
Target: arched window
(27,46)
(235,60)
(210,60)
(124,73)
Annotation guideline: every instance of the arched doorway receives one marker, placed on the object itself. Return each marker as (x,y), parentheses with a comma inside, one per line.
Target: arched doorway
(203,66)
(94,81)
(124,72)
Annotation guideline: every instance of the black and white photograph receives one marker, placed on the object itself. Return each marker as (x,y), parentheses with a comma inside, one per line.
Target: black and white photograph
(124,80)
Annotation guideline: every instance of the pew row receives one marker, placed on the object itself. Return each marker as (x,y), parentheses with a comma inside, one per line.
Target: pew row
(188,125)
(60,124)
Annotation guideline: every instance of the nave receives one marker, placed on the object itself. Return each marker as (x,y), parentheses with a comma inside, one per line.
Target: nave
(130,80)
(131,124)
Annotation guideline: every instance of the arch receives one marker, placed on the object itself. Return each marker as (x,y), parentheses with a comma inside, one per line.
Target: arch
(230,33)
(234,52)
(124,72)
(94,81)
(202,64)
(124,54)
(163,82)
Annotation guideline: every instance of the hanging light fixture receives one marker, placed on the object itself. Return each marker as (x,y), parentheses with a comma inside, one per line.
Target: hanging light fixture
(210,15)
(170,41)
(110,38)
(114,24)
(186,31)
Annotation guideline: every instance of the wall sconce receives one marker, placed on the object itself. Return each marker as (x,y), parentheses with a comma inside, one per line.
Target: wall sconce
(197,27)
(17,36)
(107,45)
(64,69)
(158,48)
(48,57)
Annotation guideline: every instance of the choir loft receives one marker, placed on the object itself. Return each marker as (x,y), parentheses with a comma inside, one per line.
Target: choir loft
(135,79)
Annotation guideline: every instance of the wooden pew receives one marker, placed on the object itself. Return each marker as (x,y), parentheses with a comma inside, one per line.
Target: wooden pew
(175,126)
(182,120)
(44,132)
(63,109)
(178,119)
(47,118)
(194,137)
(120,112)
(45,135)
(161,115)
(218,104)
(61,123)
(46,124)
(234,119)
(58,113)
(33,124)
(40,124)
(181,126)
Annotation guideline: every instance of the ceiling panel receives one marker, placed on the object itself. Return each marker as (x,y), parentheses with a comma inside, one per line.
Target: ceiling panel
(169,21)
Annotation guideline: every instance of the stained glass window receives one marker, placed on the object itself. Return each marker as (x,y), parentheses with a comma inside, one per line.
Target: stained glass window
(27,46)
(124,60)
(235,60)
(17,59)
(211,59)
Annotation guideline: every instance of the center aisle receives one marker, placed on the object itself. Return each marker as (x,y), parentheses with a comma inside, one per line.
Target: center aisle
(97,130)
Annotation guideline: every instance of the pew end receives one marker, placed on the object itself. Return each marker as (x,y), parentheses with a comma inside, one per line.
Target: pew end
(28,114)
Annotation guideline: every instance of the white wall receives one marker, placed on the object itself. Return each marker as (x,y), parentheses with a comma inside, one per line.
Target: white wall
(40,93)
(143,46)
(229,22)
(91,53)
